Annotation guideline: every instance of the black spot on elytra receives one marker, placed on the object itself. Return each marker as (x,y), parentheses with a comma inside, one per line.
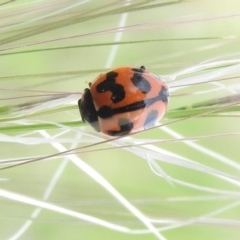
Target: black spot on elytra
(105,112)
(163,94)
(109,84)
(151,119)
(125,127)
(139,81)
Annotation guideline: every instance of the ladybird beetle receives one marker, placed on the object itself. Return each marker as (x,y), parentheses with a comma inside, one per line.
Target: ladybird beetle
(124,100)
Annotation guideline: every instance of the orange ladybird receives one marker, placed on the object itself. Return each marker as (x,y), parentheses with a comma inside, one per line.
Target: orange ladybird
(124,100)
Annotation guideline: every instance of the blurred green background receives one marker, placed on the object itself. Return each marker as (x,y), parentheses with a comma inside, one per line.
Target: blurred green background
(61,46)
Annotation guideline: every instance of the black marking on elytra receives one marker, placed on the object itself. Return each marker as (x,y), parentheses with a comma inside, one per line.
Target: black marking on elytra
(109,84)
(87,110)
(125,127)
(164,94)
(139,81)
(151,119)
(107,112)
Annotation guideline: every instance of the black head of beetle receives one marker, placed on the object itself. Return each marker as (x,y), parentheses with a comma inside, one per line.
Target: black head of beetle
(87,109)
